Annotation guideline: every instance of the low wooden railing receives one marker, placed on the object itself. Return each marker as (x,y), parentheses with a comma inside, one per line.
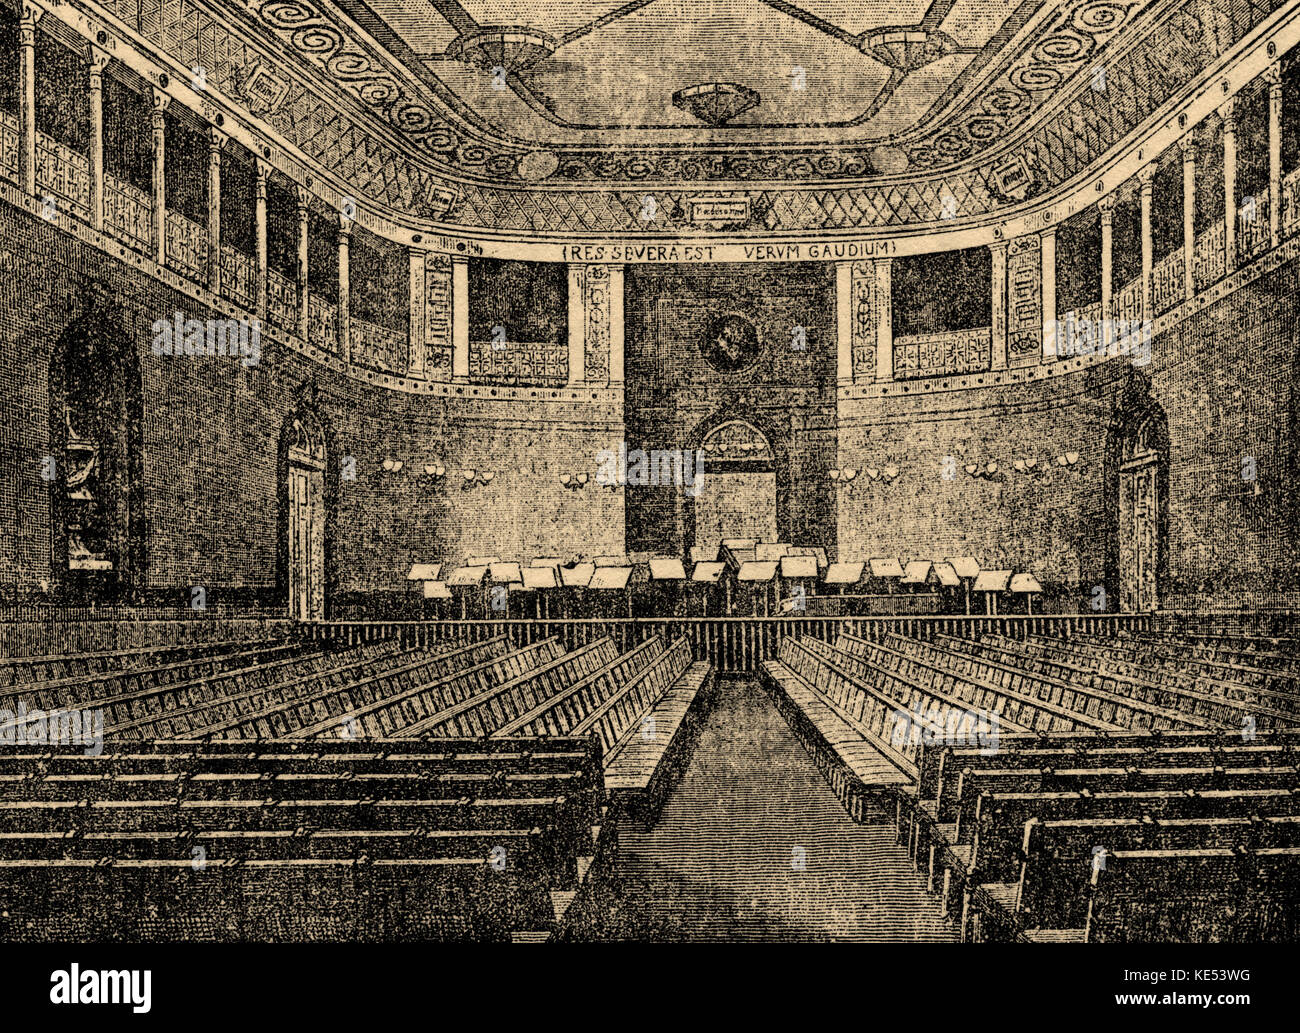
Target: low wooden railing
(733,645)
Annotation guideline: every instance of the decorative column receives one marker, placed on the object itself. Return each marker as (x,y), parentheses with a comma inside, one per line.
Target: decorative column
(95,62)
(343,319)
(998,252)
(27,96)
(1047,255)
(1274,79)
(884,319)
(459,318)
(158,128)
(577,323)
(416,301)
(1189,146)
(1024,301)
(1106,208)
(216,140)
(304,203)
(1146,182)
(844,323)
(617,326)
(1229,115)
(261,172)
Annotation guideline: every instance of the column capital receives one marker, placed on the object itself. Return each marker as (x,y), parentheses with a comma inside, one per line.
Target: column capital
(1146,177)
(1272,75)
(161,102)
(95,59)
(417,251)
(262,169)
(998,247)
(1228,112)
(1106,206)
(303,197)
(1048,233)
(216,141)
(1189,145)
(345,227)
(31,14)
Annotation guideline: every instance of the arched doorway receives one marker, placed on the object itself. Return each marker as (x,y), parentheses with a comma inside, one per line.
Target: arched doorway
(737,492)
(1139,450)
(305,472)
(94,465)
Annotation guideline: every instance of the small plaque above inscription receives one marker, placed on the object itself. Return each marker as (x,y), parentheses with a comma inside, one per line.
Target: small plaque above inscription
(719,212)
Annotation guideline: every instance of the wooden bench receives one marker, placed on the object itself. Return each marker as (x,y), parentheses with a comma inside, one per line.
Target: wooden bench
(1058,857)
(328,900)
(334,697)
(647,730)
(984,847)
(197,703)
(558,714)
(845,724)
(1002,818)
(1220,709)
(1224,679)
(79,690)
(526,810)
(485,712)
(1194,896)
(123,708)
(1110,707)
(412,697)
(31,671)
(1010,701)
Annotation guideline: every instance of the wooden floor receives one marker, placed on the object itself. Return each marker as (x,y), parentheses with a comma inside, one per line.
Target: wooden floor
(719,863)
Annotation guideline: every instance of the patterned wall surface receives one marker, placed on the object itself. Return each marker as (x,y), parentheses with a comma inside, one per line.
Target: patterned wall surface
(865,317)
(596,309)
(437,320)
(1024,301)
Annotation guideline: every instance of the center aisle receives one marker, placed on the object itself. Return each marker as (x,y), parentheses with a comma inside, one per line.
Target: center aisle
(720,864)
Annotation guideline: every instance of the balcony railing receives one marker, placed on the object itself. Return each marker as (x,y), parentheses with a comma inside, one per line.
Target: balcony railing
(378,347)
(281,301)
(9,144)
(322,323)
(948,353)
(187,247)
(1168,282)
(63,174)
(519,362)
(126,213)
(1078,331)
(1253,235)
(238,277)
(1208,263)
(1128,304)
(734,645)
(1291,203)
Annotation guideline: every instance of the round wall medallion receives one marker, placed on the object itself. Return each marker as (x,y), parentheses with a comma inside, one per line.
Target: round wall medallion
(730,343)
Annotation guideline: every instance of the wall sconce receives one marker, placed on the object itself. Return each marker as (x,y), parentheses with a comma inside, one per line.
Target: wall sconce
(393,465)
(885,476)
(1032,468)
(986,472)
(1069,460)
(574,481)
(433,473)
(474,478)
(842,476)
